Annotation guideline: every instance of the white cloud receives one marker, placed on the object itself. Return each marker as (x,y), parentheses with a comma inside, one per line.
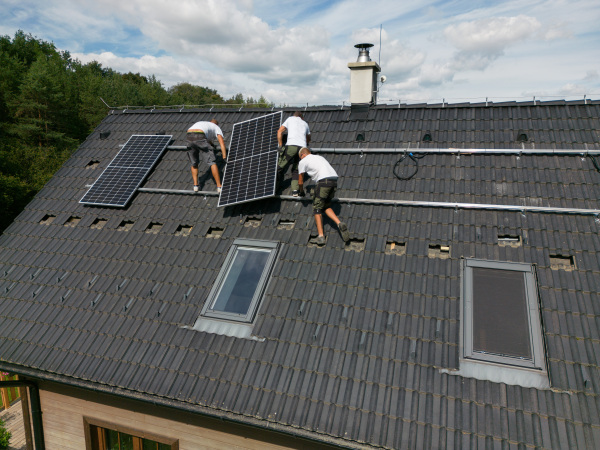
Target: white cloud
(297,52)
(592,76)
(166,68)
(556,31)
(226,34)
(399,60)
(491,36)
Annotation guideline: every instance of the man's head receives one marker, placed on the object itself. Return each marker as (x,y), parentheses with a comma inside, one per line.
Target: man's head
(215,122)
(298,114)
(304,151)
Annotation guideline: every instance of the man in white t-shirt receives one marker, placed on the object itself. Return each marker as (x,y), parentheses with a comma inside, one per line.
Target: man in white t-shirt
(325,177)
(200,137)
(298,136)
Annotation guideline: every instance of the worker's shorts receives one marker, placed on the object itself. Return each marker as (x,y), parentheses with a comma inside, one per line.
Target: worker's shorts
(289,157)
(198,145)
(323,194)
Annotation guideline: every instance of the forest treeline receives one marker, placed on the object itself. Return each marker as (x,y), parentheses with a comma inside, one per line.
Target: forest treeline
(50,102)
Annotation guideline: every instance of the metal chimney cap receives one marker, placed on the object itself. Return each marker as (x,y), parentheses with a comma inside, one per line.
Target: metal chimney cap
(363,54)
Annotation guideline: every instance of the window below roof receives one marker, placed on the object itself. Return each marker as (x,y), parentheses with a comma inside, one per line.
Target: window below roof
(241,283)
(501,335)
(100,435)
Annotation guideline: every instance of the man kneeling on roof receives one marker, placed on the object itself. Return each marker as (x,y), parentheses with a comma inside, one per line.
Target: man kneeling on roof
(200,137)
(322,173)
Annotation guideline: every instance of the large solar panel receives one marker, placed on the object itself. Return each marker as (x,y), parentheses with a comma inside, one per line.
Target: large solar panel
(126,172)
(251,171)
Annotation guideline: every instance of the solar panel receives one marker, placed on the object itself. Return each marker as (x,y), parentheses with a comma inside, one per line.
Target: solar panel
(126,172)
(251,171)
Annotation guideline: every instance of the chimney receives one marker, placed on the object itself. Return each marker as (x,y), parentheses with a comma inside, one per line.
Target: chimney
(363,77)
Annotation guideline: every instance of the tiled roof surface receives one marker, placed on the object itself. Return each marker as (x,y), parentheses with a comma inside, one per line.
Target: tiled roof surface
(355,338)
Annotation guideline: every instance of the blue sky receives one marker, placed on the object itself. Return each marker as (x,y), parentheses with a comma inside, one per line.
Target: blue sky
(297,52)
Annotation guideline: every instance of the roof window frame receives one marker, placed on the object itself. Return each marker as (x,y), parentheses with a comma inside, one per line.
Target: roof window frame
(503,369)
(210,312)
(538,360)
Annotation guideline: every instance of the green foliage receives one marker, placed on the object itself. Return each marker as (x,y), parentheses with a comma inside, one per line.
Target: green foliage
(49,103)
(188,94)
(5,436)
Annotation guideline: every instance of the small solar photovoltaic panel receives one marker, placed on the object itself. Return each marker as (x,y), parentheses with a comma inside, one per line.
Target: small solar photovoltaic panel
(126,172)
(251,171)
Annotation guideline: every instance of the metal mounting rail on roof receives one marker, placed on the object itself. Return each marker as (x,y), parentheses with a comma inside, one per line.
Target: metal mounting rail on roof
(488,206)
(373,201)
(462,151)
(178,191)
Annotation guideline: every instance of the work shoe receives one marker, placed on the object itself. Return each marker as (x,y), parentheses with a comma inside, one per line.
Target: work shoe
(219,189)
(344,231)
(196,187)
(320,240)
(295,193)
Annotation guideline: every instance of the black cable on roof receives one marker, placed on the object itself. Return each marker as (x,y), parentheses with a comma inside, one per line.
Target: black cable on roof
(405,157)
(595,163)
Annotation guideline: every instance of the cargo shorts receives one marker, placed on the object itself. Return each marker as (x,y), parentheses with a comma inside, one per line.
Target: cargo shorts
(323,194)
(289,157)
(198,145)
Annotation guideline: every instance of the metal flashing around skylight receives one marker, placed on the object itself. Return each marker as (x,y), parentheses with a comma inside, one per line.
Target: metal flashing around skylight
(501,332)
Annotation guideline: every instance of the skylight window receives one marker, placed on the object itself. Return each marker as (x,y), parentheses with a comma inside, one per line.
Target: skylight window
(501,336)
(241,283)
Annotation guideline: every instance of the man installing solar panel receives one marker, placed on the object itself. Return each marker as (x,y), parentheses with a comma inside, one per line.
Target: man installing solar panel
(298,136)
(200,137)
(325,177)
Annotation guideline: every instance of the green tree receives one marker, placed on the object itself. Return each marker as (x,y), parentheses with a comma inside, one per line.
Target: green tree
(189,94)
(5,436)
(47,104)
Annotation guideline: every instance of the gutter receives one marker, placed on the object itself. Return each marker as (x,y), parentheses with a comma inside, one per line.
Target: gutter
(212,413)
(36,410)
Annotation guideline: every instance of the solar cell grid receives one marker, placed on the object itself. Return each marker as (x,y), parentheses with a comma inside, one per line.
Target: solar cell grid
(251,170)
(126,172)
